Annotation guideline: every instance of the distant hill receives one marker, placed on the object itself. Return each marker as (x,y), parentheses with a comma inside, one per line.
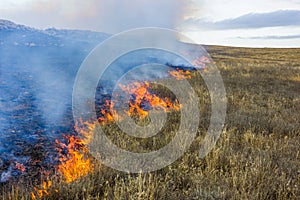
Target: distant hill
(20,35)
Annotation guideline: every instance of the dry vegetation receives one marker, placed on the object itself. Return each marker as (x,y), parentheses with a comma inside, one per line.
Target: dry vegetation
(257,156)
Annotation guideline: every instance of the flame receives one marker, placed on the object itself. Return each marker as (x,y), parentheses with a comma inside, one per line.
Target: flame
(141,93)
(108,113)
(180,74)
(200,62)
(73,165)
(43,190)
(76,164)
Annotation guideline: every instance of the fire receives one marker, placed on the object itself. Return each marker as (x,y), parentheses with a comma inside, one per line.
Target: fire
(180,74)
(199,62)
(108,113)
(42,191)
(142,94)
(73,156)
(76,164)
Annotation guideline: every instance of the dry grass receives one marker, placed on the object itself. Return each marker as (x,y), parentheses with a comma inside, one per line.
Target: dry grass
(257,156)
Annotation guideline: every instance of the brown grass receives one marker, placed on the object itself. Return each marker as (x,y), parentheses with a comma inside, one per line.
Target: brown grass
(257,156)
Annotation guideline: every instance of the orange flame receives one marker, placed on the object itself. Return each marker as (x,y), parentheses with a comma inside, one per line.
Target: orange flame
(76,164)
(42,191)
(180,74)
(73,165)
(108,112)
(142,93)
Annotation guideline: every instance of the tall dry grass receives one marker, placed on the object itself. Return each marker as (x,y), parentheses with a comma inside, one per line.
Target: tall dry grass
(257,156)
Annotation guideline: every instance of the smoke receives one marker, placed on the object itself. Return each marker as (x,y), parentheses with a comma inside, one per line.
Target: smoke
(35,95)
(36,81)
(110,16)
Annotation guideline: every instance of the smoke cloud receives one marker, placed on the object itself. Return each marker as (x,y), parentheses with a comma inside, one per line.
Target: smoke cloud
(110,16)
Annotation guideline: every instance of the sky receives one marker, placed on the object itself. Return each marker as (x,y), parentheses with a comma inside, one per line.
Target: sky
(249,23)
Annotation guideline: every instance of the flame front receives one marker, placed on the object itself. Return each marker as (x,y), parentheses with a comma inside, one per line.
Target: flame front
(141,94)
(73,156)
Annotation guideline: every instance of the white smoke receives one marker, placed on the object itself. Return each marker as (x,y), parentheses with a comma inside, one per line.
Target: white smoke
(110,16)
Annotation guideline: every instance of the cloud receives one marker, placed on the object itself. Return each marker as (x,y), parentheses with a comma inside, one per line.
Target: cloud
(250,21)
(272,37)
(101,15)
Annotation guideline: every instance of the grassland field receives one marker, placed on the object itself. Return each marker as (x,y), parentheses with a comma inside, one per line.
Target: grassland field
(256,157)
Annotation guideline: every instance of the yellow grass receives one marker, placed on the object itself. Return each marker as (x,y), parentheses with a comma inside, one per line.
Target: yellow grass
(257,156)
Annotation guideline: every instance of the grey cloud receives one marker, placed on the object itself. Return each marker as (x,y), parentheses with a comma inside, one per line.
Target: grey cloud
(251,21)
(272,37)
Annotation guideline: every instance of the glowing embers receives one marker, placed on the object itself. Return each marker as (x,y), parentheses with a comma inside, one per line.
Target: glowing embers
(20,167)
